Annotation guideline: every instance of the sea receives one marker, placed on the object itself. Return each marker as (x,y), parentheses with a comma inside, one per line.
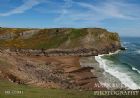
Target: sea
(123,66)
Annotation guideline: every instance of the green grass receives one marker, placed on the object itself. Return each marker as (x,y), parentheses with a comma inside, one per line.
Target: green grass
(76,33)
(51,38)
(44,39)
(35,92)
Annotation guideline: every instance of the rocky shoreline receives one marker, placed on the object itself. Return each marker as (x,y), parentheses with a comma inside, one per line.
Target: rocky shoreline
(49,72)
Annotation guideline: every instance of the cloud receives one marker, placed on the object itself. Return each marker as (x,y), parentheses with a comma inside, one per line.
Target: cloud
(71,12)
(100,11)
(64,10)
(28,4)
(104,9)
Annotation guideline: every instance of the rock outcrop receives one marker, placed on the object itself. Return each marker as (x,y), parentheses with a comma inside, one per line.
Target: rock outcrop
(60,41)
(50,57)
(48,72)
(59,38)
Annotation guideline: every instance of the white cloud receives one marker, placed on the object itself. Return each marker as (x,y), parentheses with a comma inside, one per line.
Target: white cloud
(28,4)
(97,12)
(64,10)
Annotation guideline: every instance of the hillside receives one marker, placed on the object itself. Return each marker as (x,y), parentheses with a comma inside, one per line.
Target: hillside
(61,38)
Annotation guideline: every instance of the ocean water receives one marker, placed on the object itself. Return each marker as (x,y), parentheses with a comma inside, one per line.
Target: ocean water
(124,65)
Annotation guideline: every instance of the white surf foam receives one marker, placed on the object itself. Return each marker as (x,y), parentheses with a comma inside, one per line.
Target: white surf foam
(138,51)
(111,53)
(133,68)
(126,42)
(123,77)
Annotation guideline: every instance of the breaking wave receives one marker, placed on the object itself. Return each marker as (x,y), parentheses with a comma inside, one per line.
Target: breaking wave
(124,78)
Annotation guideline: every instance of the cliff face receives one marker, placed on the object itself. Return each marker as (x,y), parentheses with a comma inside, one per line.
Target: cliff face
(53,72)
(58,38)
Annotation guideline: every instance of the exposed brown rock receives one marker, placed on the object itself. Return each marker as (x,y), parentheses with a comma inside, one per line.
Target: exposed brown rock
(49,72)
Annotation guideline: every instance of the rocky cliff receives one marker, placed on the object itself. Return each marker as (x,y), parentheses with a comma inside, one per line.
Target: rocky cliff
(61,41)
(24,56)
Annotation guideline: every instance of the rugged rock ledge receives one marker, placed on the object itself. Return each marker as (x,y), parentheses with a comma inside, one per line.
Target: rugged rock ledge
(64,52)
(50,72)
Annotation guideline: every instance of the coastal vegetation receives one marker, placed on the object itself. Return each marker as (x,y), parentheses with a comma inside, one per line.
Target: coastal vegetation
(56,38)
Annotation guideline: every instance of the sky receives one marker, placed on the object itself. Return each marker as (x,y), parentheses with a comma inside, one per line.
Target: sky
(122,16)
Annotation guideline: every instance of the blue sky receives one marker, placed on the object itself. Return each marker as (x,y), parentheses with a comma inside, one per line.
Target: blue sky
(122,16)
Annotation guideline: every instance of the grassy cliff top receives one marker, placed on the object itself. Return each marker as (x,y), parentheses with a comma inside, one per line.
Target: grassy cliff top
(55,37)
